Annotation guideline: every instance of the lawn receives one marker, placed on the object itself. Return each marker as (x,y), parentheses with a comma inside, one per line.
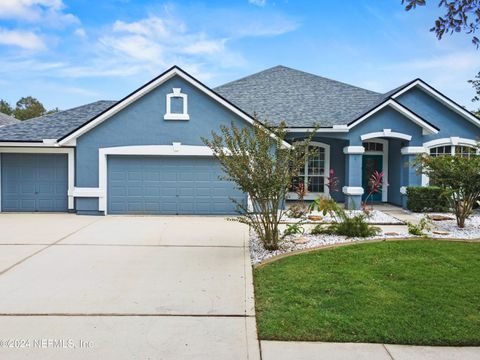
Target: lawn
(399,292)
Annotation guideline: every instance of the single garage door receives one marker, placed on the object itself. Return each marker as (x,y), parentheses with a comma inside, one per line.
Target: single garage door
(168,185)
(34,182)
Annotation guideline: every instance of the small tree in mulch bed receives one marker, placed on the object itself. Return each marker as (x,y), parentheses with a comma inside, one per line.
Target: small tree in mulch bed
(459,177)
(258,160)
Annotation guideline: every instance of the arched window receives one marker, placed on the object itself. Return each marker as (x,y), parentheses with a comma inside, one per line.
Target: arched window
(453,150)
(315,172)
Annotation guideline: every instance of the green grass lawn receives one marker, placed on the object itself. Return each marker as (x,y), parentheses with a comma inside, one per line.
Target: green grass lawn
(403,292)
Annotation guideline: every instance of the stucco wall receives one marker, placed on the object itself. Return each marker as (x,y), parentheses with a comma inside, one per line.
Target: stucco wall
(142,123)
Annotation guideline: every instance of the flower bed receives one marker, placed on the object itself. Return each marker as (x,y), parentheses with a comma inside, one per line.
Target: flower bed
(375,217)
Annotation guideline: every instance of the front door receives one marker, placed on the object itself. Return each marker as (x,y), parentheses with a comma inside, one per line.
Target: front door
(370,163)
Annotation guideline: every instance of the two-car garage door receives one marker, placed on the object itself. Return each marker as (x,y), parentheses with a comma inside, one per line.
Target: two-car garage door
(168,185)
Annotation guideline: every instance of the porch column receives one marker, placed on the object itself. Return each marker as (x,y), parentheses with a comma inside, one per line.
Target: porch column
(353,189)
(408,172)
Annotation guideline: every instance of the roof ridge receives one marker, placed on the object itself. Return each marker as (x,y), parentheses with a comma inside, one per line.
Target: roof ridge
(278,67)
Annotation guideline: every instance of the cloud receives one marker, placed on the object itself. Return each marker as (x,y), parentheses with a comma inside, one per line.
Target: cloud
(46,12)
(80,32)
(24,39)
(258,2)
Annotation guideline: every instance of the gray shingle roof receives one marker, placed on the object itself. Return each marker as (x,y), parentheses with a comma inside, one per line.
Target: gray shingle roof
(7,119)
(298,98)
(53,126)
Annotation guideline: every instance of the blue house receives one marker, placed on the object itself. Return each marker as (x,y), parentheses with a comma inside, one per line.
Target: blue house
(144,153)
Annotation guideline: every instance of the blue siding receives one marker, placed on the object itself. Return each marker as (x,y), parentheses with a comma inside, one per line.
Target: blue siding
(449,122)
(394,172)
(34,182)
(169,185)
(142,123)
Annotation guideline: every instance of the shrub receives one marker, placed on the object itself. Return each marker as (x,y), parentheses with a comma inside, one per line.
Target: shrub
(355,226)
(293,229)
(321,230)
(297,210)
(426,198)
(419,229)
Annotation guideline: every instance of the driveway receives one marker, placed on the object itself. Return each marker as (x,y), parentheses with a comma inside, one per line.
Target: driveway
(125,287)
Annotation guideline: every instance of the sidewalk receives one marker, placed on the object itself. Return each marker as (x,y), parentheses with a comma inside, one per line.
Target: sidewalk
(282,350)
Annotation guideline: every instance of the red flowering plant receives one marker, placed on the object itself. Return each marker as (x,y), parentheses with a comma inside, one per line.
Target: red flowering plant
(376,183)
(332,181)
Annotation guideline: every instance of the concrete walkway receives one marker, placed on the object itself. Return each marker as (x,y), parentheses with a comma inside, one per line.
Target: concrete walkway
(119,287)
(281,350)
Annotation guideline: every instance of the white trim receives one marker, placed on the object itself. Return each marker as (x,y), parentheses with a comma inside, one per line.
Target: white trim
(353,190)
(353,150)
(401,109)
(176,93)
(175,71)
(86,192)
(453,140)
(334,129)
(176,149)
(27,144)
(385,155)
(51,150)
(413,150)
(385,133)
(403,190)
(442,98)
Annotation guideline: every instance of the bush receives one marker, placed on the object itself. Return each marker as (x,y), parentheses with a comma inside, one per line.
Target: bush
(355,226)
(426,198)
(297,211)
(420,228)
(349,226)
(293,229)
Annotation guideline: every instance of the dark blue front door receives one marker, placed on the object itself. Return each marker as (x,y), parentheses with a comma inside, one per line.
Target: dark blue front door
(34,182)
(370,163)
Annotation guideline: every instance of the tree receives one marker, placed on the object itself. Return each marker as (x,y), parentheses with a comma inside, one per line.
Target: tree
(5,107)
(461,15)
(459,177)
(28,107)
(263,167)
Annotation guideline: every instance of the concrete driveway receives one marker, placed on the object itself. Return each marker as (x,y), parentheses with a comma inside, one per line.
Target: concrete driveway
(125,287)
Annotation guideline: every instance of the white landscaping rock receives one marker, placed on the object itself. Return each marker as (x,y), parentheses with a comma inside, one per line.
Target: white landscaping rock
(375,217)
(306,241)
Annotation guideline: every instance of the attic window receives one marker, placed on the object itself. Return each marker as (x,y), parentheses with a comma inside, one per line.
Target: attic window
(177,105)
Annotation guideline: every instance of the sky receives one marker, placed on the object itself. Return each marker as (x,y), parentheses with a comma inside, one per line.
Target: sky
(71,52)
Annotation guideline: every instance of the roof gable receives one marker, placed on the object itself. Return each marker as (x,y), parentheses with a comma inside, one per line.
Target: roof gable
(69,139)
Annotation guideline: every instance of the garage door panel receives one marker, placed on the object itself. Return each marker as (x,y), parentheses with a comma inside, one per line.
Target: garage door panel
(168,185)
(34,182)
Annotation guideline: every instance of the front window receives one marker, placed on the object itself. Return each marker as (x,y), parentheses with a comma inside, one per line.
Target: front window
(315,170)
(457,150)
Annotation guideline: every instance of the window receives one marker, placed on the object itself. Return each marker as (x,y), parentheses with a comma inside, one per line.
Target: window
(373,146)
(453,150)
(315,171)
(177,105)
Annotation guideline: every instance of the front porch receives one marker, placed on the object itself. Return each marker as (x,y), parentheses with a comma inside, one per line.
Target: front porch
(353,163)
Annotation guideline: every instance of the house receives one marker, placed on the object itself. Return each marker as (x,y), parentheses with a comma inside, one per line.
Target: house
(144,154)
(7,119)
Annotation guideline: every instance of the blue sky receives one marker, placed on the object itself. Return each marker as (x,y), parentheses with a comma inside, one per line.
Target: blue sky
(68,53)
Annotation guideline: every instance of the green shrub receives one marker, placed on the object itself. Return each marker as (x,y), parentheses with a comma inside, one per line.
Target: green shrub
(293,229)
(426,198)
(355,226)
(420,228)
(321,230)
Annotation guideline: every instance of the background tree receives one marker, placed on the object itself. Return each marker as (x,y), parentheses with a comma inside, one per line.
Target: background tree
(262,167)
(5,107)
(460,16)
(28,108)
